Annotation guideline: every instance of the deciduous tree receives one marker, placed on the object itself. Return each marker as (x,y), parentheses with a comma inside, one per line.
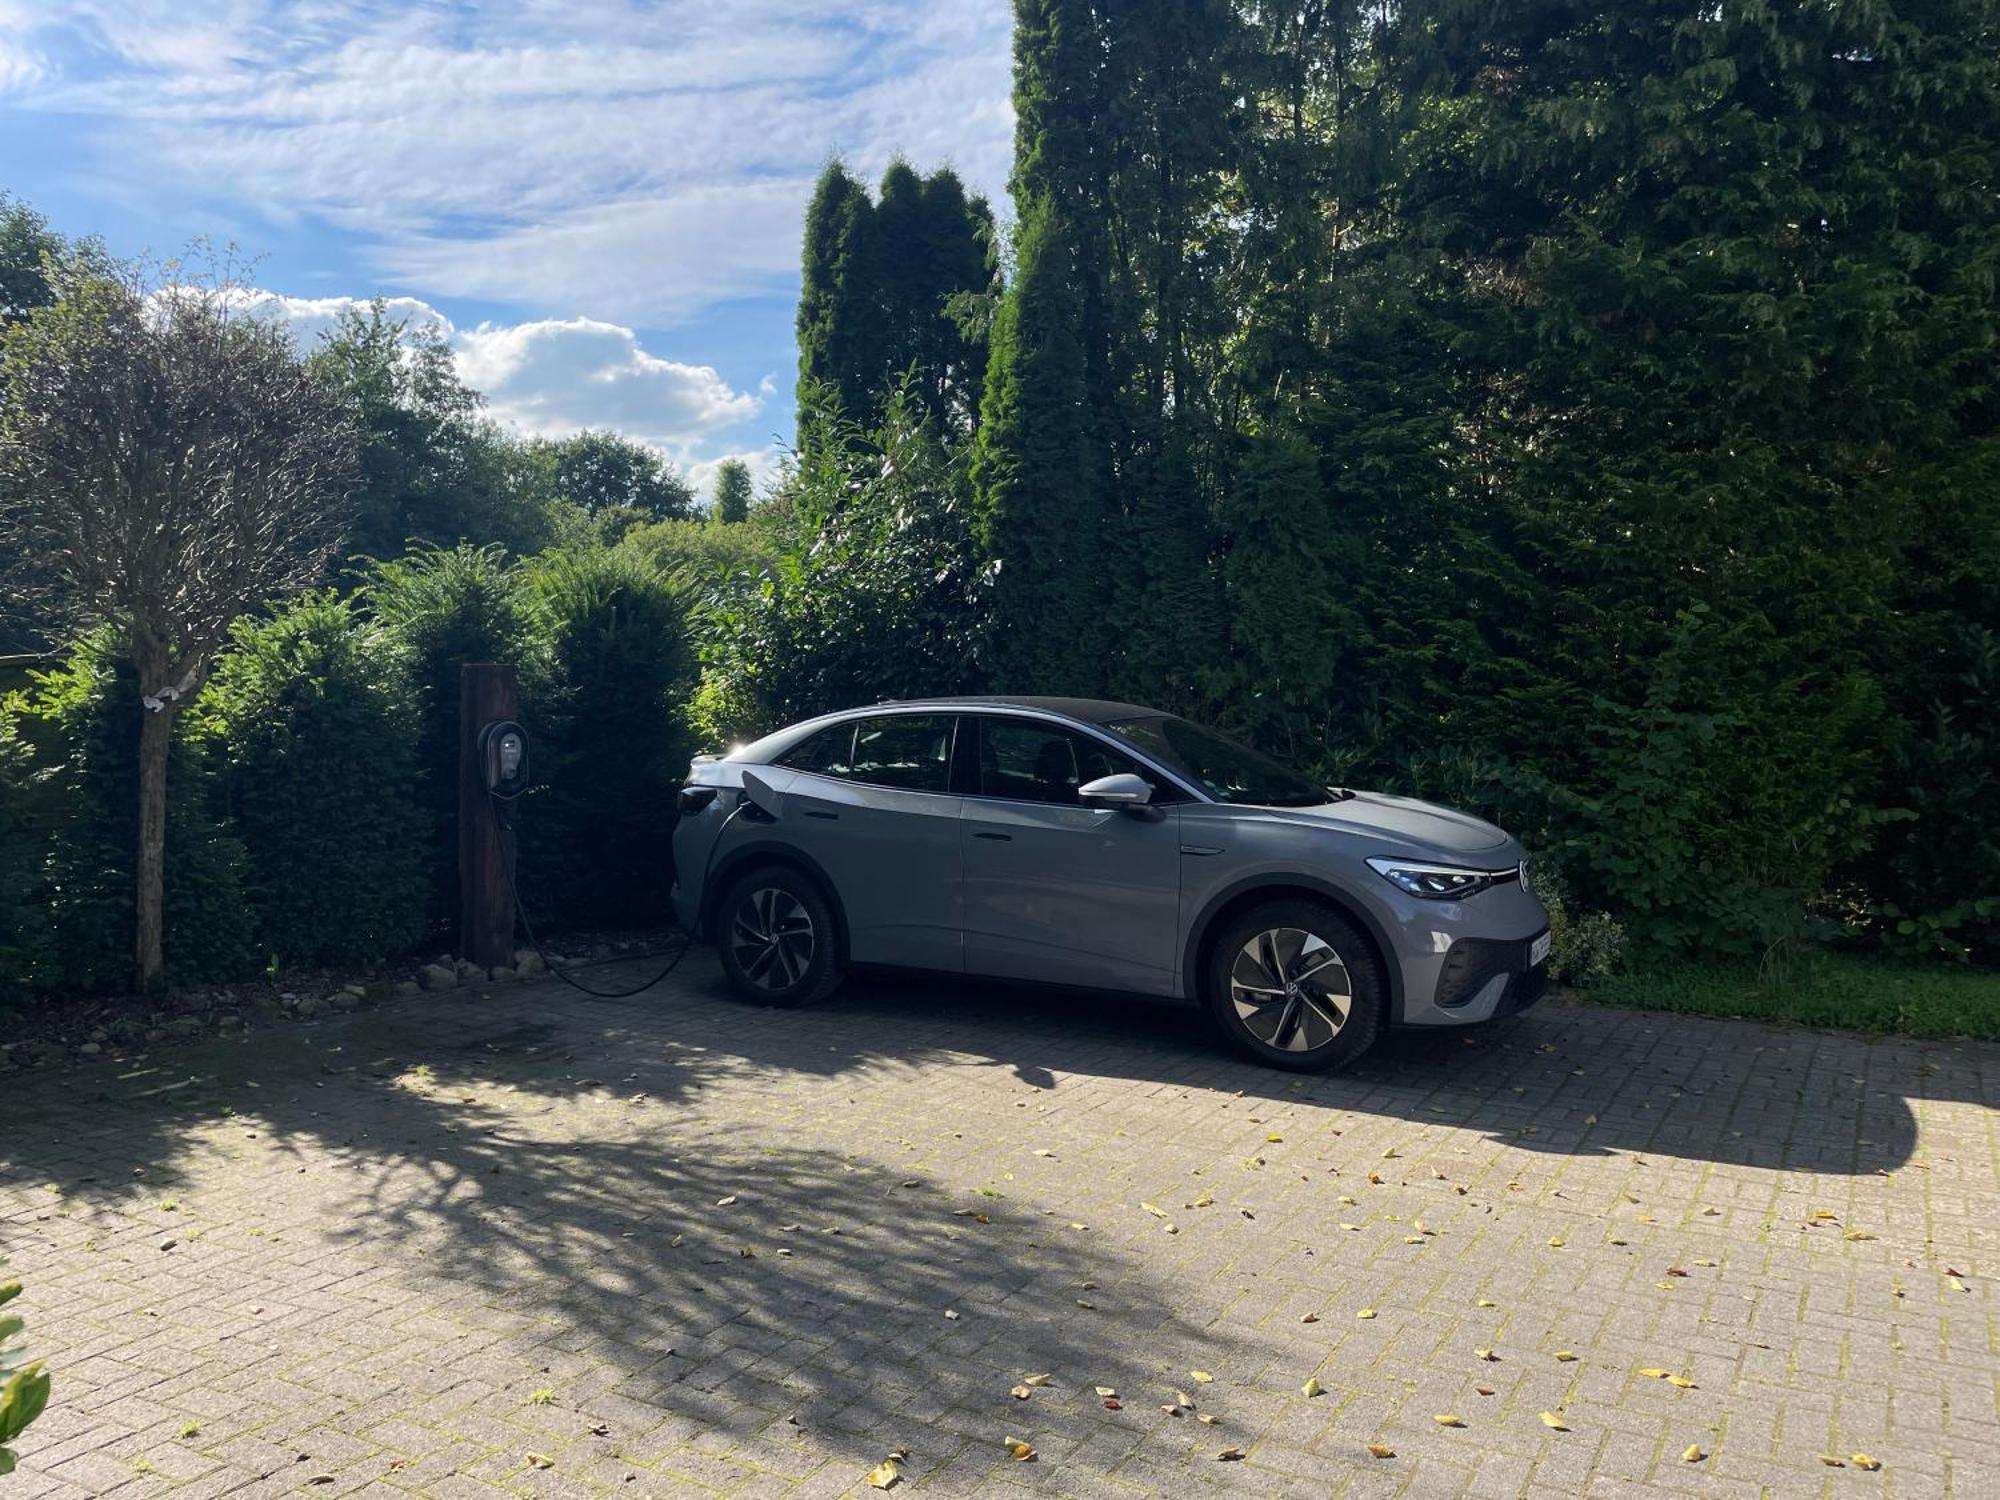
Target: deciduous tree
(178,465)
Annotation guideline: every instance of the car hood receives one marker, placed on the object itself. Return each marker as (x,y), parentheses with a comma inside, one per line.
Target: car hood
(1408,824)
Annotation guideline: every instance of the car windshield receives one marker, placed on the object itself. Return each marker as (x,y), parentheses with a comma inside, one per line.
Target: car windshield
(1229,772)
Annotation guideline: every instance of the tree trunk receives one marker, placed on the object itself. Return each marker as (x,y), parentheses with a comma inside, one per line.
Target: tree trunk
(155,731)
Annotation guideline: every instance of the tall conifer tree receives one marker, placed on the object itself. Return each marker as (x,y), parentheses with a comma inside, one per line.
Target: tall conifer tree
(1041,466)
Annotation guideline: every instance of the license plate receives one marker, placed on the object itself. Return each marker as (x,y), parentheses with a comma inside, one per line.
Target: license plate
(1538,950)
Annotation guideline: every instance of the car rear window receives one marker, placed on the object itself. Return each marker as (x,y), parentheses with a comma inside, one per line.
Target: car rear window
(908,751)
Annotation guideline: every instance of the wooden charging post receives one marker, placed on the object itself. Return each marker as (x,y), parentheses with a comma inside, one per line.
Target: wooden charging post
(486,692)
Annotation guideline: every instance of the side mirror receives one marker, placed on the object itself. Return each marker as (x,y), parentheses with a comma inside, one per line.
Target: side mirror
(1122,790)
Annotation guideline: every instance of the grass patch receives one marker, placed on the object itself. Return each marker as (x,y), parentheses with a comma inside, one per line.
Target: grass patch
(1854,994)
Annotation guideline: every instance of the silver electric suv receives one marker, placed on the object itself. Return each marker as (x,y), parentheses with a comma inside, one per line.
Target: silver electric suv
(1108,846)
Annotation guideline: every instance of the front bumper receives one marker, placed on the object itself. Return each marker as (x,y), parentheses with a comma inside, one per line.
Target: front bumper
(1482,979)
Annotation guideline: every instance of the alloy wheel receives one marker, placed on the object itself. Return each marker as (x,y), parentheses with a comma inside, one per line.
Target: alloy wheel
(771,938)
(1290,989)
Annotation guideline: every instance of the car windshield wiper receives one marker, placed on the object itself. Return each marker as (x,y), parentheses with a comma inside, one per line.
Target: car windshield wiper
(1339,794)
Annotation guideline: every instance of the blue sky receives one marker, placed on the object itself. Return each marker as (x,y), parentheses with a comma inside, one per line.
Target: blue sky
(601,199)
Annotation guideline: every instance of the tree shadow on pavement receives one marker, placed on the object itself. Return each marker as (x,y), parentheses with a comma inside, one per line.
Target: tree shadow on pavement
(494,1204)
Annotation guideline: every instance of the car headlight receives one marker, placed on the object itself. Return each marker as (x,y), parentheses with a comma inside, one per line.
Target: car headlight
(1437,882)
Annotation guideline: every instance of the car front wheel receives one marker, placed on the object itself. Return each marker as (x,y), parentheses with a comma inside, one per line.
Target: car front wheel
(774,930)
(1294,984)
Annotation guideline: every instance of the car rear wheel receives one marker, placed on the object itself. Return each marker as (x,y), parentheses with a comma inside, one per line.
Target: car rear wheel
(774,930)
(1294,984)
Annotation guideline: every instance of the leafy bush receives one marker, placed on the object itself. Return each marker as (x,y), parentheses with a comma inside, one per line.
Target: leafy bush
(321,778)
(24,1386)
(1585,947)
(25,954)
(603,694)
(873,592)
(90,711)
(1938,867)
(439,608)
(1712,815)
(704,555)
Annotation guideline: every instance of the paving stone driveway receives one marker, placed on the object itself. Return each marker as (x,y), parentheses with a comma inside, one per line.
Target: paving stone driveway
(672,1245)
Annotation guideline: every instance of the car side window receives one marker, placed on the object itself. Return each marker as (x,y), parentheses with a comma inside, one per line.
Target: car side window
(909,751)
(828,753)
(1029,762)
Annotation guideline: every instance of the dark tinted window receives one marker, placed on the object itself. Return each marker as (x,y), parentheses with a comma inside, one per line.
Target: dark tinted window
(830,752)
(912,751)
(1031,762)
(1230,771)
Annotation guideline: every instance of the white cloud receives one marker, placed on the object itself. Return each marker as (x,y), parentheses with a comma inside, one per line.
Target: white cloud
(312,317)
(18,68)
(550,378)
(657,260)
(638,163)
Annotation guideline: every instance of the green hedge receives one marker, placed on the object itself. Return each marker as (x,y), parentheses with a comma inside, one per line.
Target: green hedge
(438,608)
(312,789)
(319,744)
(603,692)
(89,719)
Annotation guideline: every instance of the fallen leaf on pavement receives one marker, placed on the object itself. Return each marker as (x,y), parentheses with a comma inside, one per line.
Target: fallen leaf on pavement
(1366,1312)
(539,1460)
(1202,1416)
(1308,1317)
(1022,1392)
(1563,1356)
(1831,1462)
(1036,1379)
(1229,1455)
(1154,1209)
(1864,1461)
(1201,1375)
(1550,1419)
(1381,1450)
(1019,1451)
(1312,1388)
(1682,1381)
(1692,1454)
(885,1474)
(1449,1419)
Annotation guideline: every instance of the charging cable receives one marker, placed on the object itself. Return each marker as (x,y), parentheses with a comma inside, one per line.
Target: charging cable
(509,849)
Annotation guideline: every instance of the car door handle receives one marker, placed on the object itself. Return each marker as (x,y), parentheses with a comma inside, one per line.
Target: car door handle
(831,817)
(1005,838)
(1200,849)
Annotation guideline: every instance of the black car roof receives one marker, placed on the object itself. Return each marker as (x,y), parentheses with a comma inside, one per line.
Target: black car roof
(1089,710)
